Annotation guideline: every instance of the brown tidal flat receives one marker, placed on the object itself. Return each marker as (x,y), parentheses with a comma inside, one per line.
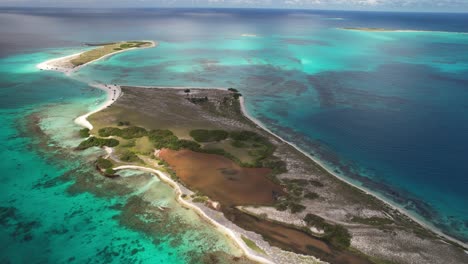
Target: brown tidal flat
(293,239)
(221,179)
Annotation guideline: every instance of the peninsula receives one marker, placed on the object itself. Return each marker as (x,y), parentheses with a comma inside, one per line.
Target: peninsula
(274,200)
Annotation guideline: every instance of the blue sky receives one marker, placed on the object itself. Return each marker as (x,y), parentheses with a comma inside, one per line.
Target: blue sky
(400,5)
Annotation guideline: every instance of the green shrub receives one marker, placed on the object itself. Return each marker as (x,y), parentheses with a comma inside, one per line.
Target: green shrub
(133,132)
(127,133)
(233,90)
(166,139)
(296,208)
(185,144)
(109,131)
(98,142)
(84,133)
(109,171)
(103,163)
(200,199)
(203,135)
(311,195)
(316,183)
(123,123)
(276,165)
(337,235)
(129,156)
(245,135)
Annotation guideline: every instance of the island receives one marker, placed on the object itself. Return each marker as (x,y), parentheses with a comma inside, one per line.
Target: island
(71,63)
(276,201)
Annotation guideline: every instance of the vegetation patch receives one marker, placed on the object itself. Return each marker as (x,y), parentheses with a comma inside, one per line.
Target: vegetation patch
(336,235)
(315,183)
(103,163)
(123,123)
(126,133)
(84,133)
(129,156)
(252,245)
(97,142)
(106,49)
(374,220)
(203,135)
(198,100)
(311,195)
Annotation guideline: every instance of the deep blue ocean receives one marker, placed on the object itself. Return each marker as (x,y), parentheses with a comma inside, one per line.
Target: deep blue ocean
(387,110)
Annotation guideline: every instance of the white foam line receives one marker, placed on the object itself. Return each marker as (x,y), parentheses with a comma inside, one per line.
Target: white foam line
(234,236)
(389,203)
(113,93)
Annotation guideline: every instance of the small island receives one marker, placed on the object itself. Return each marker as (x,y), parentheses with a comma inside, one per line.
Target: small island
(370,29)
(73,62)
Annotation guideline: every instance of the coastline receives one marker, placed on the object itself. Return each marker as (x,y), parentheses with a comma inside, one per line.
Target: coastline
(82,121)
(369,192)
(226,231)
(116,91)
(113,93)
(50,65)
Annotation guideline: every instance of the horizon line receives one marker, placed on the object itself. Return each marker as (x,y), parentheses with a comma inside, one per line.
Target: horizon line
(249,8)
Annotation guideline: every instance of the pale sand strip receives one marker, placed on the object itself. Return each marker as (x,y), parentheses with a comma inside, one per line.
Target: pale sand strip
(113,93)
(228,232)
(376,195)
(64,65)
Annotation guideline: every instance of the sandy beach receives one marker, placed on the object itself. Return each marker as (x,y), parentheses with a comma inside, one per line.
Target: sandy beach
(63,64)
(228,232)
(114,92)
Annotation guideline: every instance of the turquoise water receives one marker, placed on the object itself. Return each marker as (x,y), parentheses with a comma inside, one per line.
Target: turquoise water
(55,207)
(385,109)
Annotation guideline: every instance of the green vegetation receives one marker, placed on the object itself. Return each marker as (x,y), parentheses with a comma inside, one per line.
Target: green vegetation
(315,183)
(203,135)
(166,139)
(97,142)
(261,149)
(237,95)
(311,195)
(198,197)
(374,221)
(109,171)
(103,163)
(337,235)
(106,49)
(123,123)
(84,133)
(126,133)
(129,156)
(198,100)
(233,90)
(252,245)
